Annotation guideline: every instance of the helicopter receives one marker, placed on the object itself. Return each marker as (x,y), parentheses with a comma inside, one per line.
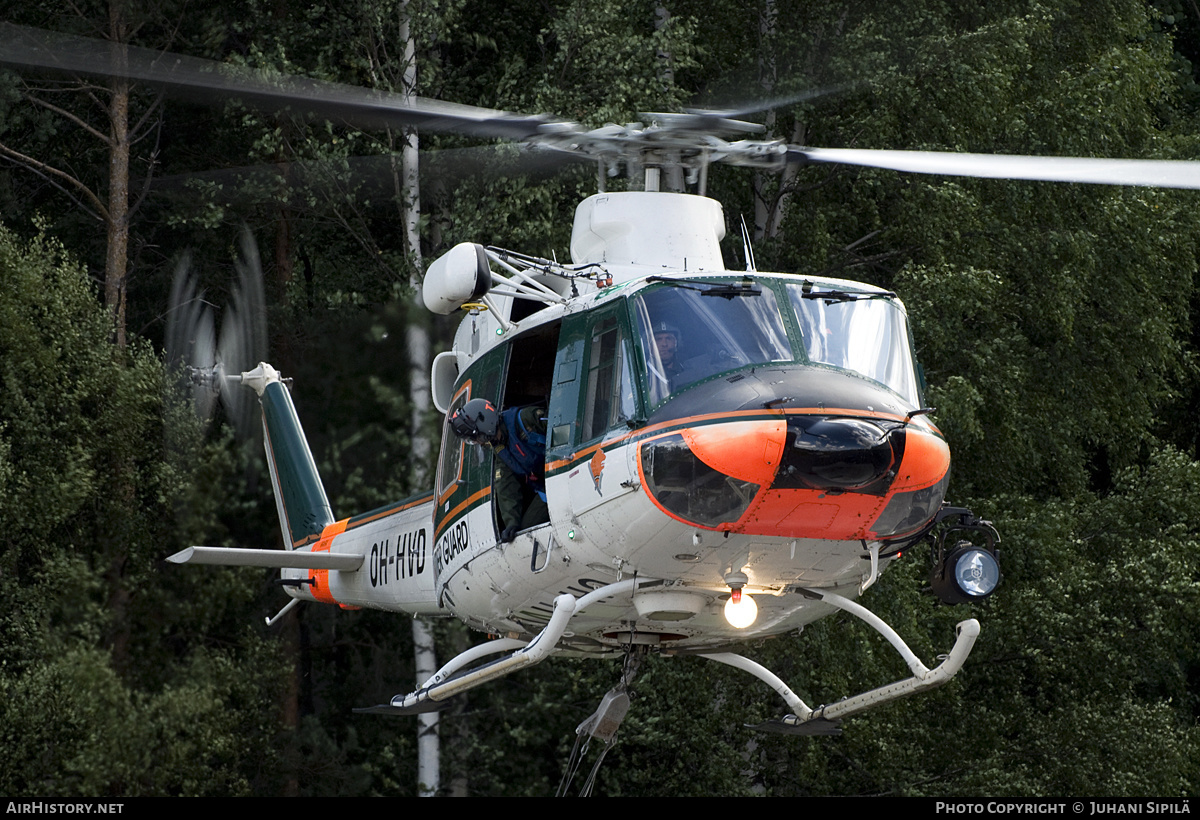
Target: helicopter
(728,455)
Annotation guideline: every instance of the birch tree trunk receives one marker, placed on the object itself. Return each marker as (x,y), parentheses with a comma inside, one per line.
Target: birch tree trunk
(417,338)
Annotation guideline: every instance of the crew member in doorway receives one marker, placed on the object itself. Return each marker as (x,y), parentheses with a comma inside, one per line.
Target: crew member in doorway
(517,436)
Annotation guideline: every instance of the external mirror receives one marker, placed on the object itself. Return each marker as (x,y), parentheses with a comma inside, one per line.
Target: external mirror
(444,375)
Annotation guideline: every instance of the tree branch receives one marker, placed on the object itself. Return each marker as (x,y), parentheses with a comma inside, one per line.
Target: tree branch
(150,163)
(48,171)
(62,112)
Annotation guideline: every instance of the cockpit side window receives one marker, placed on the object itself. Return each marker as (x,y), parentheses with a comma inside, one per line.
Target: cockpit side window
(609,394)
(450,461)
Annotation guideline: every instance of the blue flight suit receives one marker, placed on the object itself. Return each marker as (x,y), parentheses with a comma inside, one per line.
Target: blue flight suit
(519,470)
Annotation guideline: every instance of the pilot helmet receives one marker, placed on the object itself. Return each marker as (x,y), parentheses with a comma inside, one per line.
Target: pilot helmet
(477,421)
(666,327)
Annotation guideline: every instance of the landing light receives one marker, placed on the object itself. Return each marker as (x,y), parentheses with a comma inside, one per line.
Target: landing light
(968,573)
(740,609)
(977,572)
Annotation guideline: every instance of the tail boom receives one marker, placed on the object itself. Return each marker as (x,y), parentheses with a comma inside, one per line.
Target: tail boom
(379,560)
(394,545)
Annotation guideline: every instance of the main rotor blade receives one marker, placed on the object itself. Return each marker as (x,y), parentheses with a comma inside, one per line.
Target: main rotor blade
(1156,173)
(745,109)
(360,107)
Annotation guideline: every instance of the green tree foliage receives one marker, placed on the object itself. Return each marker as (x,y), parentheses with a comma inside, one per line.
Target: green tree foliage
(1057,325)
(109,686)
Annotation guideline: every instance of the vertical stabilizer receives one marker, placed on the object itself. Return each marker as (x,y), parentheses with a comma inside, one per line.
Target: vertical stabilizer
(299,496)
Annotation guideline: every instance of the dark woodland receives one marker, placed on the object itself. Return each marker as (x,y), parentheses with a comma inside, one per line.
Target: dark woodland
(1058,326)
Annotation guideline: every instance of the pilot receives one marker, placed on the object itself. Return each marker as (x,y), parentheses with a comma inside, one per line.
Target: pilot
(518,437)
(666,339)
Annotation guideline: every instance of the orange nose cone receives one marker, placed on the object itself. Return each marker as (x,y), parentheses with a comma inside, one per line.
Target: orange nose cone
(926,461)
(747,450)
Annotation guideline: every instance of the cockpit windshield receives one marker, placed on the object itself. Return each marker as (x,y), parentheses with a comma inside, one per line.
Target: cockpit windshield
(862,331)
(692,329)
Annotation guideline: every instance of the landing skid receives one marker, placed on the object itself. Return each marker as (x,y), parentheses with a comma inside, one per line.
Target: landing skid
(450,681)
(825,720)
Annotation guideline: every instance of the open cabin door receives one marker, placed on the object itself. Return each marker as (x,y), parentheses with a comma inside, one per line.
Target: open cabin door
(527,384)
(515,373)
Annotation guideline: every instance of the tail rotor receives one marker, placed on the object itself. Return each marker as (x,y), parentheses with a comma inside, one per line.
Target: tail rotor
(212,365)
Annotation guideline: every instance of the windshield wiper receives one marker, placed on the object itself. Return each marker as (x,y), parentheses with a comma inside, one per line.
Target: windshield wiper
(806,290)
(726,290)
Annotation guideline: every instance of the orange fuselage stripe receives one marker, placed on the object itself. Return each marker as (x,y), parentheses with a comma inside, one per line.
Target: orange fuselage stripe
(320,577)
(452,514)
(368,518)
(707,418)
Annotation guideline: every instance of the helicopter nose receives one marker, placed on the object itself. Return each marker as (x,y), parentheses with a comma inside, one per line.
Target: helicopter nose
(840,454)
(803,476)
(748,451)
(709,474)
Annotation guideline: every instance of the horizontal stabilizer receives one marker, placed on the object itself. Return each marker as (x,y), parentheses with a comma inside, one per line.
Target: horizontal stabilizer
(277,559)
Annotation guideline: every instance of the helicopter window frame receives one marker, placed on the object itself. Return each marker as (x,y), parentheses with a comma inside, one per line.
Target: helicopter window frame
(481,380)
(610,399)
(451,459)
(875,316)
(727,345)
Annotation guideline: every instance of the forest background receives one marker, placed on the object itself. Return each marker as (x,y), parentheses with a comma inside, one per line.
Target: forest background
(1058,326)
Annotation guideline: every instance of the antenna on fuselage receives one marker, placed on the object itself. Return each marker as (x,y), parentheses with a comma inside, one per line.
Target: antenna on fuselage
(746,244)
